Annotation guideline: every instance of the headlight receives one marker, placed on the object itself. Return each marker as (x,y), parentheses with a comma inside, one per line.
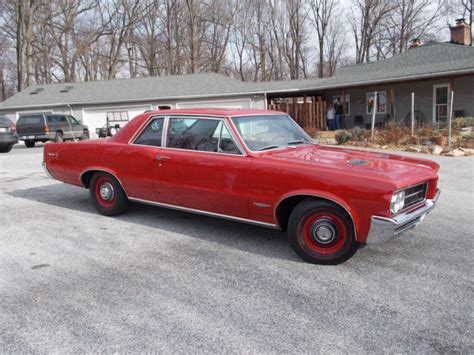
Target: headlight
(397,202)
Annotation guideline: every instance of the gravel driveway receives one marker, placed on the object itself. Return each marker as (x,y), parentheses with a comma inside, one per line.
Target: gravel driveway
(158,280)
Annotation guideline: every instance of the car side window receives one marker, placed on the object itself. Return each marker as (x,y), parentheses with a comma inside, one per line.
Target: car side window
(152,134)
(73,121)
(202,134)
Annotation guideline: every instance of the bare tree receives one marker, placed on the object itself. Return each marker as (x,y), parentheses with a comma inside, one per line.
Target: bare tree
(366,19)
(322,12)
(411,19)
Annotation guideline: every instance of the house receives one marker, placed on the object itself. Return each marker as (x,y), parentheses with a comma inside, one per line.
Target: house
(428,73)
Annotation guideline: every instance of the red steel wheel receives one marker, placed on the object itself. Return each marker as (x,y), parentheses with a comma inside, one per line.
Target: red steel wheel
(107,194)
(321,232)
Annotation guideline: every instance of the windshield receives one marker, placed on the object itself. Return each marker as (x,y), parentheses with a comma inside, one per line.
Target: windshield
(264,132)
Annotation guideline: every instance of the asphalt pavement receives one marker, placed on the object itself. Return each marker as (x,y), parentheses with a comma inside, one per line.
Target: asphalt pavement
(157,280)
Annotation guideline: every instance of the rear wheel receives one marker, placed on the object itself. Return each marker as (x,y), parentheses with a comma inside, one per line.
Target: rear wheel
(107,195)
(58,138)
(321,232)
(6,148)
(30,144)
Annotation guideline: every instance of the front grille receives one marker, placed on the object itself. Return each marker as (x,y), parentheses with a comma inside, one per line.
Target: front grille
(414,195)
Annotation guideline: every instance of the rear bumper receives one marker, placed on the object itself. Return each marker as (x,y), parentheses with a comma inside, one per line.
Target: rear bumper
(8,139)
(36,137)
(383,229)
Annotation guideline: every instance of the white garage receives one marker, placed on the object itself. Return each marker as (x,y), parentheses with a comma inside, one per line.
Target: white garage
(97,117)
(121,100)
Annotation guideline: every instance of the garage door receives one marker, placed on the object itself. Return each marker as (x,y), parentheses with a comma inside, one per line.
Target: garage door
(239,103)
(97,118)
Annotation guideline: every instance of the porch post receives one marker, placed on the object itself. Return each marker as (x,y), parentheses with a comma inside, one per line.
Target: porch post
(450,118)
(412,114)
(393,111)
(344,108)
(374,109)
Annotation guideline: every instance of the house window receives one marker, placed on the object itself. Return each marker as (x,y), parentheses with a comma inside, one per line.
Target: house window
(117,115)
(381,102)
(440,102)
(338,98)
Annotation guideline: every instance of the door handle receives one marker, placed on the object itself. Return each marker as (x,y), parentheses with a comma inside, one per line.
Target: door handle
(161,157)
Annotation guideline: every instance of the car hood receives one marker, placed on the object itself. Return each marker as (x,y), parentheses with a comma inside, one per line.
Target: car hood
(403,170)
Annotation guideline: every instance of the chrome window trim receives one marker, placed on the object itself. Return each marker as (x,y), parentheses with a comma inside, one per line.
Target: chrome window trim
(206,213)
(311,140)
(242,151)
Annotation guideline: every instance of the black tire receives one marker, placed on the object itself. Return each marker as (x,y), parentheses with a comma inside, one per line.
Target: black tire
(30,144)
(321,232)
(6,148)
(112,205)
(58,137)
(85,135)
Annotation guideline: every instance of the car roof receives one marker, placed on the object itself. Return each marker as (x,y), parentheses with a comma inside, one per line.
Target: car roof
(216,112)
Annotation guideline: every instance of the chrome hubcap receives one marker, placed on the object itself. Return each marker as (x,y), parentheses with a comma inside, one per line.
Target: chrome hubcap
(106,191)
(323,231)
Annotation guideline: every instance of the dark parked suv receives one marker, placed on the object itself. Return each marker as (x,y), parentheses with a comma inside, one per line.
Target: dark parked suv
(34,128)
(8,135)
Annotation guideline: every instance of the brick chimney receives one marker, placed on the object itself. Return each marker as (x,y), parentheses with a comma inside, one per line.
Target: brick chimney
(415,42)
(461,33)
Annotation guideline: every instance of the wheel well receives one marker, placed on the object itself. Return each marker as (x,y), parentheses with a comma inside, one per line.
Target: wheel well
(286,206)
(87,176)
(59,131)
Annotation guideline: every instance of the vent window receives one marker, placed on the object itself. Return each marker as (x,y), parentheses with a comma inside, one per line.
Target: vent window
(36,91)
(66,89)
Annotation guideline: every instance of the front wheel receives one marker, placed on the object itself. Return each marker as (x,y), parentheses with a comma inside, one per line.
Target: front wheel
(85,135)
(321,232)
(107,194)
(58,137)
(29,144)
(6,148)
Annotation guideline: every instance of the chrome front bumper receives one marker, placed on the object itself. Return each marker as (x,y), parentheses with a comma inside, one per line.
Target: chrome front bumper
(383,229)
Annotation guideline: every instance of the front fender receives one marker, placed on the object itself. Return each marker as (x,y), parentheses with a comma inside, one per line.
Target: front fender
(326,196)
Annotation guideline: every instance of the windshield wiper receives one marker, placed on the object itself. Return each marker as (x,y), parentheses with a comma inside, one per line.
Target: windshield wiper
(298,142)
(273,146)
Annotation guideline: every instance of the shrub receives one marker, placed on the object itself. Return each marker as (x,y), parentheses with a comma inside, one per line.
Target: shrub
(425,131)
(358,134)
(460,122)
(392,134)
(343,136)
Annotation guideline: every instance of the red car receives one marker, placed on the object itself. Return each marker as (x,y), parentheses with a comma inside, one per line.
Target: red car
(252,166)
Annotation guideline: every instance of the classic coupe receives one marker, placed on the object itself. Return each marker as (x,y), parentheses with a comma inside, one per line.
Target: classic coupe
(252,166)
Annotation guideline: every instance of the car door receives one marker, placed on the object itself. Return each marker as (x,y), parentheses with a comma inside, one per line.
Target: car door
(137,161)
(201,167)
